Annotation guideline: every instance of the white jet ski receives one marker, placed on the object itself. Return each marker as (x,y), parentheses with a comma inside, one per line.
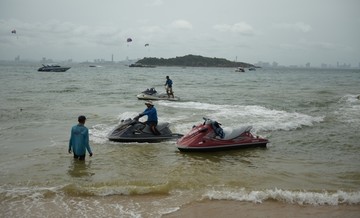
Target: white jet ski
(152,94)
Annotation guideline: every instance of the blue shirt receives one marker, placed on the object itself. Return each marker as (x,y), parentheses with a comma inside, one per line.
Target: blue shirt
(169,83)
(151,113)
(79,140)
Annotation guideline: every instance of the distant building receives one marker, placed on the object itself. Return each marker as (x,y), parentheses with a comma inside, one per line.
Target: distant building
(263,64)
(343,66)
(45,60)
(99,60)
(293,66)
(307,65)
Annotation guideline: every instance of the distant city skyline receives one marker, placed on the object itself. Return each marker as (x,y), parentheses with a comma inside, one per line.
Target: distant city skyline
(263,64)
(292,33)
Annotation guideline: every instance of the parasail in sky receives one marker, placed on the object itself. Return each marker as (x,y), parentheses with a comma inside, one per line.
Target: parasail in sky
(13,31)
(147,44)
(128,40)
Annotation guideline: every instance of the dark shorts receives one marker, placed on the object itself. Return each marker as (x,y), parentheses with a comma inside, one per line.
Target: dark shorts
(151,123)
(79,157)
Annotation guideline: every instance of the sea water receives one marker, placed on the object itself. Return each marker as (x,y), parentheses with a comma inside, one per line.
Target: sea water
(310,116)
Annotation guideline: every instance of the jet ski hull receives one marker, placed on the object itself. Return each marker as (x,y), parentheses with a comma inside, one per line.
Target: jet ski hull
(143,139)
(204,138)
(219,147)
(152,94)
(143,96)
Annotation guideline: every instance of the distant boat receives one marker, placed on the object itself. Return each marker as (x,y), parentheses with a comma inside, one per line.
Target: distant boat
(252,68)
(239,69)
(53,68)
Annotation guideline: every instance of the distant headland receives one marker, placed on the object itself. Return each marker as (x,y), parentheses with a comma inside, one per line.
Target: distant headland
(191,61)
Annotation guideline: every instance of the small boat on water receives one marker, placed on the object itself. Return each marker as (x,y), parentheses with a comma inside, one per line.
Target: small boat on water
(252,68)
(53,68)
(240,69)
(152,94)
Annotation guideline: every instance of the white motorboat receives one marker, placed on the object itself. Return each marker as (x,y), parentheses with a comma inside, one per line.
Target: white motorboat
(240,69)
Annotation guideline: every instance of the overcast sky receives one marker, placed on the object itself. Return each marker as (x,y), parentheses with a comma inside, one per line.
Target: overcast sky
(290,32)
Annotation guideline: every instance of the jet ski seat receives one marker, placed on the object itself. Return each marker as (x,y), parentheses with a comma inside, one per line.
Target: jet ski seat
(159,127)
(231,133)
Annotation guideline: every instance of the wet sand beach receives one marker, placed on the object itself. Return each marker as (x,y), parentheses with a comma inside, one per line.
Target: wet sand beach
(229,209)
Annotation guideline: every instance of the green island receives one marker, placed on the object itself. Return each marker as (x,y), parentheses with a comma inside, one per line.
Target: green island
(191,61)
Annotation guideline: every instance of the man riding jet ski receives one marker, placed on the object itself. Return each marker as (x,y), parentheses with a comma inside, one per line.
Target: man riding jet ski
(210,136)
(132,130)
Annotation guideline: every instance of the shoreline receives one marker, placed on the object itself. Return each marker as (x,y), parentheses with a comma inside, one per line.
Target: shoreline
(269,209)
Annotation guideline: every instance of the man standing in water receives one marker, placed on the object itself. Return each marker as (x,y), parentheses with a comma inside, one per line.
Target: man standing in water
(168,86)
(79,139)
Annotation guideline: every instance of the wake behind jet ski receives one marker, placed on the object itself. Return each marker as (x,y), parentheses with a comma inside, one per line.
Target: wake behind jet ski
(209,136)
(152,94)
(132,130)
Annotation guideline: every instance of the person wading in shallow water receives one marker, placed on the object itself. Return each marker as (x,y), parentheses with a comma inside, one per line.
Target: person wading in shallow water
(168,87)
(152,120)
(79,140)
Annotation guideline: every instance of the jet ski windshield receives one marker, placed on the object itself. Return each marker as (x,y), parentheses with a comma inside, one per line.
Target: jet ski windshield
(150,91)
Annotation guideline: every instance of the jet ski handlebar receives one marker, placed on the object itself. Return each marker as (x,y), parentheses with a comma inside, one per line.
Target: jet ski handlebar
(208,121)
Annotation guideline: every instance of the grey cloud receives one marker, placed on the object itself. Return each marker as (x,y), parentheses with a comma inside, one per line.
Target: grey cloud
(181,24)
(240,27)
(298,26)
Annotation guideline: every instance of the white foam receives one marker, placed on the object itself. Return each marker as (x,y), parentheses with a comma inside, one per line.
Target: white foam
(261,118)
(293,197)
(349,109)
(99,132)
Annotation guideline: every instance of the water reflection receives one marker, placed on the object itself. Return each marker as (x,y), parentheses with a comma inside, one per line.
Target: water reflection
(79,168)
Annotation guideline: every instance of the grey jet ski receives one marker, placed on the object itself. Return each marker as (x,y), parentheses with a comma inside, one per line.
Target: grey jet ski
(132,130)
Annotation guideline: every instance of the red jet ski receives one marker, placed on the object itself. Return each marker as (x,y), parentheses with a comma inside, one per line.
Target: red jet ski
(209,136)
